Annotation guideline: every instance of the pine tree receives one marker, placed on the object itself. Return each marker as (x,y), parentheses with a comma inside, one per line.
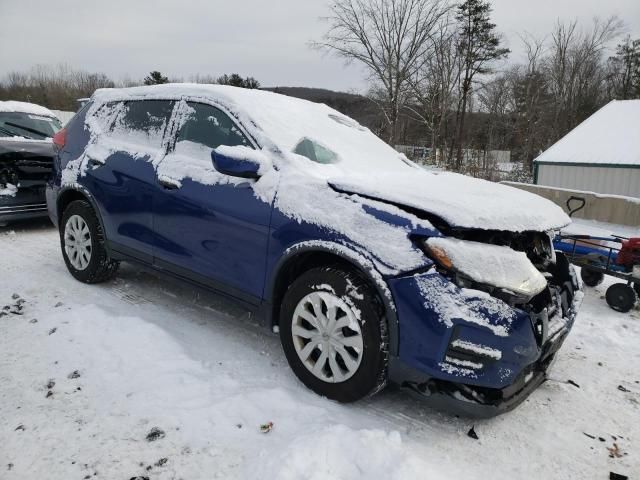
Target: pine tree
(155,78)
(479,47)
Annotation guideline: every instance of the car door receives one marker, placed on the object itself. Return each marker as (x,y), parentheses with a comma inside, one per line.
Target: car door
(209,226)
(120,171)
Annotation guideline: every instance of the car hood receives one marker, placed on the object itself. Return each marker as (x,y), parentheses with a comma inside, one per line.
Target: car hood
(461,201)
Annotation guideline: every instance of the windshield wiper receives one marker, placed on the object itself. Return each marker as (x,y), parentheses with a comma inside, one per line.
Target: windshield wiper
(28,129)
(7,131)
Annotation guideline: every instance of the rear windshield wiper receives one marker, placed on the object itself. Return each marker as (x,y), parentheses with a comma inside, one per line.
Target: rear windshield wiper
(28,129)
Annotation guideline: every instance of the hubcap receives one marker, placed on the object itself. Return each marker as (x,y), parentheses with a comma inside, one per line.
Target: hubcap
(327,337)
(77,242)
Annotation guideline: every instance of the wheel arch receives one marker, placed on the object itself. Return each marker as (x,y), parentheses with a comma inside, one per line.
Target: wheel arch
(72,193)
(307,255)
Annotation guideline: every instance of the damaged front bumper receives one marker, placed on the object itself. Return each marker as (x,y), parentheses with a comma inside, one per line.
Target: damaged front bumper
(471,353)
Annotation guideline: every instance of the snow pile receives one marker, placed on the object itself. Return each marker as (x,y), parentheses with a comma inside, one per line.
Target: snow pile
(342,453)
(493,265)
(8,190)
(609,136)
(25,107)
(153,352)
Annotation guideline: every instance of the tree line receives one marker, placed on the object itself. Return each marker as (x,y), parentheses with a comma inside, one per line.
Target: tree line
(60,87)
(431,62)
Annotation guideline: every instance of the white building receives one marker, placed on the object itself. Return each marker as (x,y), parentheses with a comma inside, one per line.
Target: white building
(600,155)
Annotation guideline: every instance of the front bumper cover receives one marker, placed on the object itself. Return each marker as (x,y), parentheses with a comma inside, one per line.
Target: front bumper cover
(526,342)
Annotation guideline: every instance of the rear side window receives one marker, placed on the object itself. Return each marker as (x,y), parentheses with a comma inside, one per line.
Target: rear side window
(143,122)
(210,127)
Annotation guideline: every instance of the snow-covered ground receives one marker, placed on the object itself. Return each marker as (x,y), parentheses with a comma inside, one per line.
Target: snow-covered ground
(86,373)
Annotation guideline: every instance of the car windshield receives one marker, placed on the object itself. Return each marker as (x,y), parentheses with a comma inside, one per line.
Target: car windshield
(28,125)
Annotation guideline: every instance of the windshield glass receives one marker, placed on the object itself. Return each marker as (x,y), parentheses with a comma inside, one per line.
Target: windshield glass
(28,125)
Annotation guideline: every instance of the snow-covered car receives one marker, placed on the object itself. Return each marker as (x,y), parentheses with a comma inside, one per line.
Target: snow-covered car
(26,158)
(370,267)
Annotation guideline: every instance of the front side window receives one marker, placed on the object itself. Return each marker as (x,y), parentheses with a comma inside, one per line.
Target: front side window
(143,122)
(27,125)
(210,127)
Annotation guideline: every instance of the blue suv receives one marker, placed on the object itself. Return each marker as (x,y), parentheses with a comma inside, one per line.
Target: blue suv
(371,268)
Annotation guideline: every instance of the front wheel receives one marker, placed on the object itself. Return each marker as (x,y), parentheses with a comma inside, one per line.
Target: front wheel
(82,242)
(334,334)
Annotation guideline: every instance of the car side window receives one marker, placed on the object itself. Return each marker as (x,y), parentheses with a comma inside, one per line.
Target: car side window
(209,126)
(143,122)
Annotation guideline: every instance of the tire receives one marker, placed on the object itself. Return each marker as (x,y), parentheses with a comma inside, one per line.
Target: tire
(621,297)
(79,221)
(351,370)
(591,277)
(636,287)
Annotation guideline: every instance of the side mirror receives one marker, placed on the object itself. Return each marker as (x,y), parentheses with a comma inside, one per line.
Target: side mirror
(239,161)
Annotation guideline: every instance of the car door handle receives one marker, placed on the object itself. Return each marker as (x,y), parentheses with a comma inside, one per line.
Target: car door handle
(169,183)
(94,163)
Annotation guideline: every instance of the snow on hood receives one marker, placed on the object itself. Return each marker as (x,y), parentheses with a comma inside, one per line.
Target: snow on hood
(459,200)
(25,107)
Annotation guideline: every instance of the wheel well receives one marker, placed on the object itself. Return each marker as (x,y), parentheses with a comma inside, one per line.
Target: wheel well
(66,198)
(301,263)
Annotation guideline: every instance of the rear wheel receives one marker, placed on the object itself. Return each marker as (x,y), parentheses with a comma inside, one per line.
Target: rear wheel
(621,297)
(82,242)
(591,277)
(334,334)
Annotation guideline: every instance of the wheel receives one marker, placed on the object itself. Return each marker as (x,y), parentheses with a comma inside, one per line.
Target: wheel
(591,277)
(621,297)
(82,242)
(334,334)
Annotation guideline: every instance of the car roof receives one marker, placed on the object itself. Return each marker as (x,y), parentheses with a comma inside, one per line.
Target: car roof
(25,107)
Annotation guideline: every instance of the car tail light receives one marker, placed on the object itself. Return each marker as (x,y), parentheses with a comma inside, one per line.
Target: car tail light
(60,138)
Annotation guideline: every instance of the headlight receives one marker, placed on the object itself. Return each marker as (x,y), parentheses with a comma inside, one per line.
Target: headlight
(497,266)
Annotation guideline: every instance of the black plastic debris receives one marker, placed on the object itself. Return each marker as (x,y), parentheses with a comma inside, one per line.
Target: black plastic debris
(592,437)
(617,476)
(472,433)
(571,382)
(50,384)
(19,427)
(74,374)
(49,394)
(162,462)
(155,434)
(139,478)
(52,331)
(623,389)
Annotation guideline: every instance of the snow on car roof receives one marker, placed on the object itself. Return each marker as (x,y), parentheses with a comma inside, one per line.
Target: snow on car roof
(609,136)
(284,121)
(25,107)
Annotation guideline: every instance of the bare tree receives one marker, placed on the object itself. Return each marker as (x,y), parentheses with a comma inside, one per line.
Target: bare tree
(388,37)
(433,85)
(575,70)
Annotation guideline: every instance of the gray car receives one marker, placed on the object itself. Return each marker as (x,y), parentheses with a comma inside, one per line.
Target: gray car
(26,159)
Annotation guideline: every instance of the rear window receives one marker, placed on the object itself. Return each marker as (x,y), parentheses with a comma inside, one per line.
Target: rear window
(28,125)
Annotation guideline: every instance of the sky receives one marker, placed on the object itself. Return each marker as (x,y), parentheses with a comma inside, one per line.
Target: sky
(268,40)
